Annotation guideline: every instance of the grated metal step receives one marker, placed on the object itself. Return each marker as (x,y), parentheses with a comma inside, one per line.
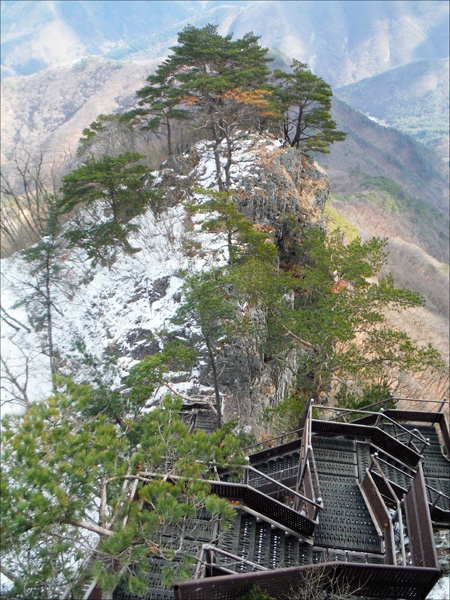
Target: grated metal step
(345,522)
(261,543)
(436,467)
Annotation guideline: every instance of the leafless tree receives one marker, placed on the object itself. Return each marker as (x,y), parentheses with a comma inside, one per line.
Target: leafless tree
(318,584)
(29,187)
(16,375)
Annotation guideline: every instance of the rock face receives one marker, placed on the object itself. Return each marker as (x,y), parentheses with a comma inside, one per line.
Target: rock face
(126,312)
(269,182)
(286,182)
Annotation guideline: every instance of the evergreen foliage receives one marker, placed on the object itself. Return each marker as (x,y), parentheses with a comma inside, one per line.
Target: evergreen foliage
(242,240)
(159,103)
(206,304)
(338,315)
(222,301)
(220,84)
(305,101)
(114,131)
(66,484)
(322,295)
(116,189)
(223,86)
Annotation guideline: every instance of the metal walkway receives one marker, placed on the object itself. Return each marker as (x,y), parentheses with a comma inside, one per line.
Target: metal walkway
(283,530)
(345,522)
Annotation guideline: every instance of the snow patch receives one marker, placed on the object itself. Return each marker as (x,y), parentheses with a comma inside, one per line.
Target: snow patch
(104,305)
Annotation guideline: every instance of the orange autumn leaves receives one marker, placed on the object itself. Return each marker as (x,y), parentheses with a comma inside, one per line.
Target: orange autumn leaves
(259,99)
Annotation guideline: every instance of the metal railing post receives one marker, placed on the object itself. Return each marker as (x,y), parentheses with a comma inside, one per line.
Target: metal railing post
(380,417)
(245,469)
(436,500)
(316,508)
(303,469)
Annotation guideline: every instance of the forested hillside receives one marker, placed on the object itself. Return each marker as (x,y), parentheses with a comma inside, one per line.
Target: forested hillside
(421,110)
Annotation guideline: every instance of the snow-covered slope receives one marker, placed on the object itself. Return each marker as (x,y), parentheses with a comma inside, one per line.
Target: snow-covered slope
(120,310)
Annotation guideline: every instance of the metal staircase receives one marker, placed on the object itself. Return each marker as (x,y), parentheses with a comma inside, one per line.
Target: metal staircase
(317,501)
(436,467)
(345,522)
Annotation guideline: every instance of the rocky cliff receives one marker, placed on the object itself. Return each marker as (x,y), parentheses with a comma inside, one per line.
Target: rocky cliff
(269,183)
(126,311)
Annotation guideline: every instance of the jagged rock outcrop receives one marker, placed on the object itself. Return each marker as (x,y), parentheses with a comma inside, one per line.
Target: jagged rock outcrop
(284,181)
(126,313)
(269,182)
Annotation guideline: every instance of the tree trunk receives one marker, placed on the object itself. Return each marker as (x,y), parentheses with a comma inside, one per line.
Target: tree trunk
(49,316)
(169,137)
(229,161)
(212,362)
(217,141)
(298,128)
(218,166)
(230,247)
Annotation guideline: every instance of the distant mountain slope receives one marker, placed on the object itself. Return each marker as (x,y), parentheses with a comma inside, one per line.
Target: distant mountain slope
(412,98)
(342,40)
(50,109)
(159,43)
(397,183)
(374,149)
(46,33)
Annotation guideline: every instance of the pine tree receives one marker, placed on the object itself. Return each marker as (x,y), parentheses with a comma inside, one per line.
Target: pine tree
(305,101)
(159,105)
(46,271)
(65,491)
(337,317)
(109,135)
(116,189)
(219,83)
(241,238)
(206,303)
(228,303)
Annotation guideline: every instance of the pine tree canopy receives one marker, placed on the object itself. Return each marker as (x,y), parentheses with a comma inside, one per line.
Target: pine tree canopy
(305,101)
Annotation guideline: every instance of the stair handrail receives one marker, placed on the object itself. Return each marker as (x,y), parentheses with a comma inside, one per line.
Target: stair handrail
(380,416)
(317,505)
(420,528)
(380,515)
(304,467)
(366,407)
(441,401)
(246,469)
(238,559)
(396,399)
(440,493)
(285,434)
(281,437)
(381,460)
(398,513)
(316,476)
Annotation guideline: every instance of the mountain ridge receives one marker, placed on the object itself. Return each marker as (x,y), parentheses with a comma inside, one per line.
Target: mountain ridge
(49,110)
(414,100)
(357,36)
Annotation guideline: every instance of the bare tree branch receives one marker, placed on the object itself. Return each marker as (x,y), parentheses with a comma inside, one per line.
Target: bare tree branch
(7,318)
